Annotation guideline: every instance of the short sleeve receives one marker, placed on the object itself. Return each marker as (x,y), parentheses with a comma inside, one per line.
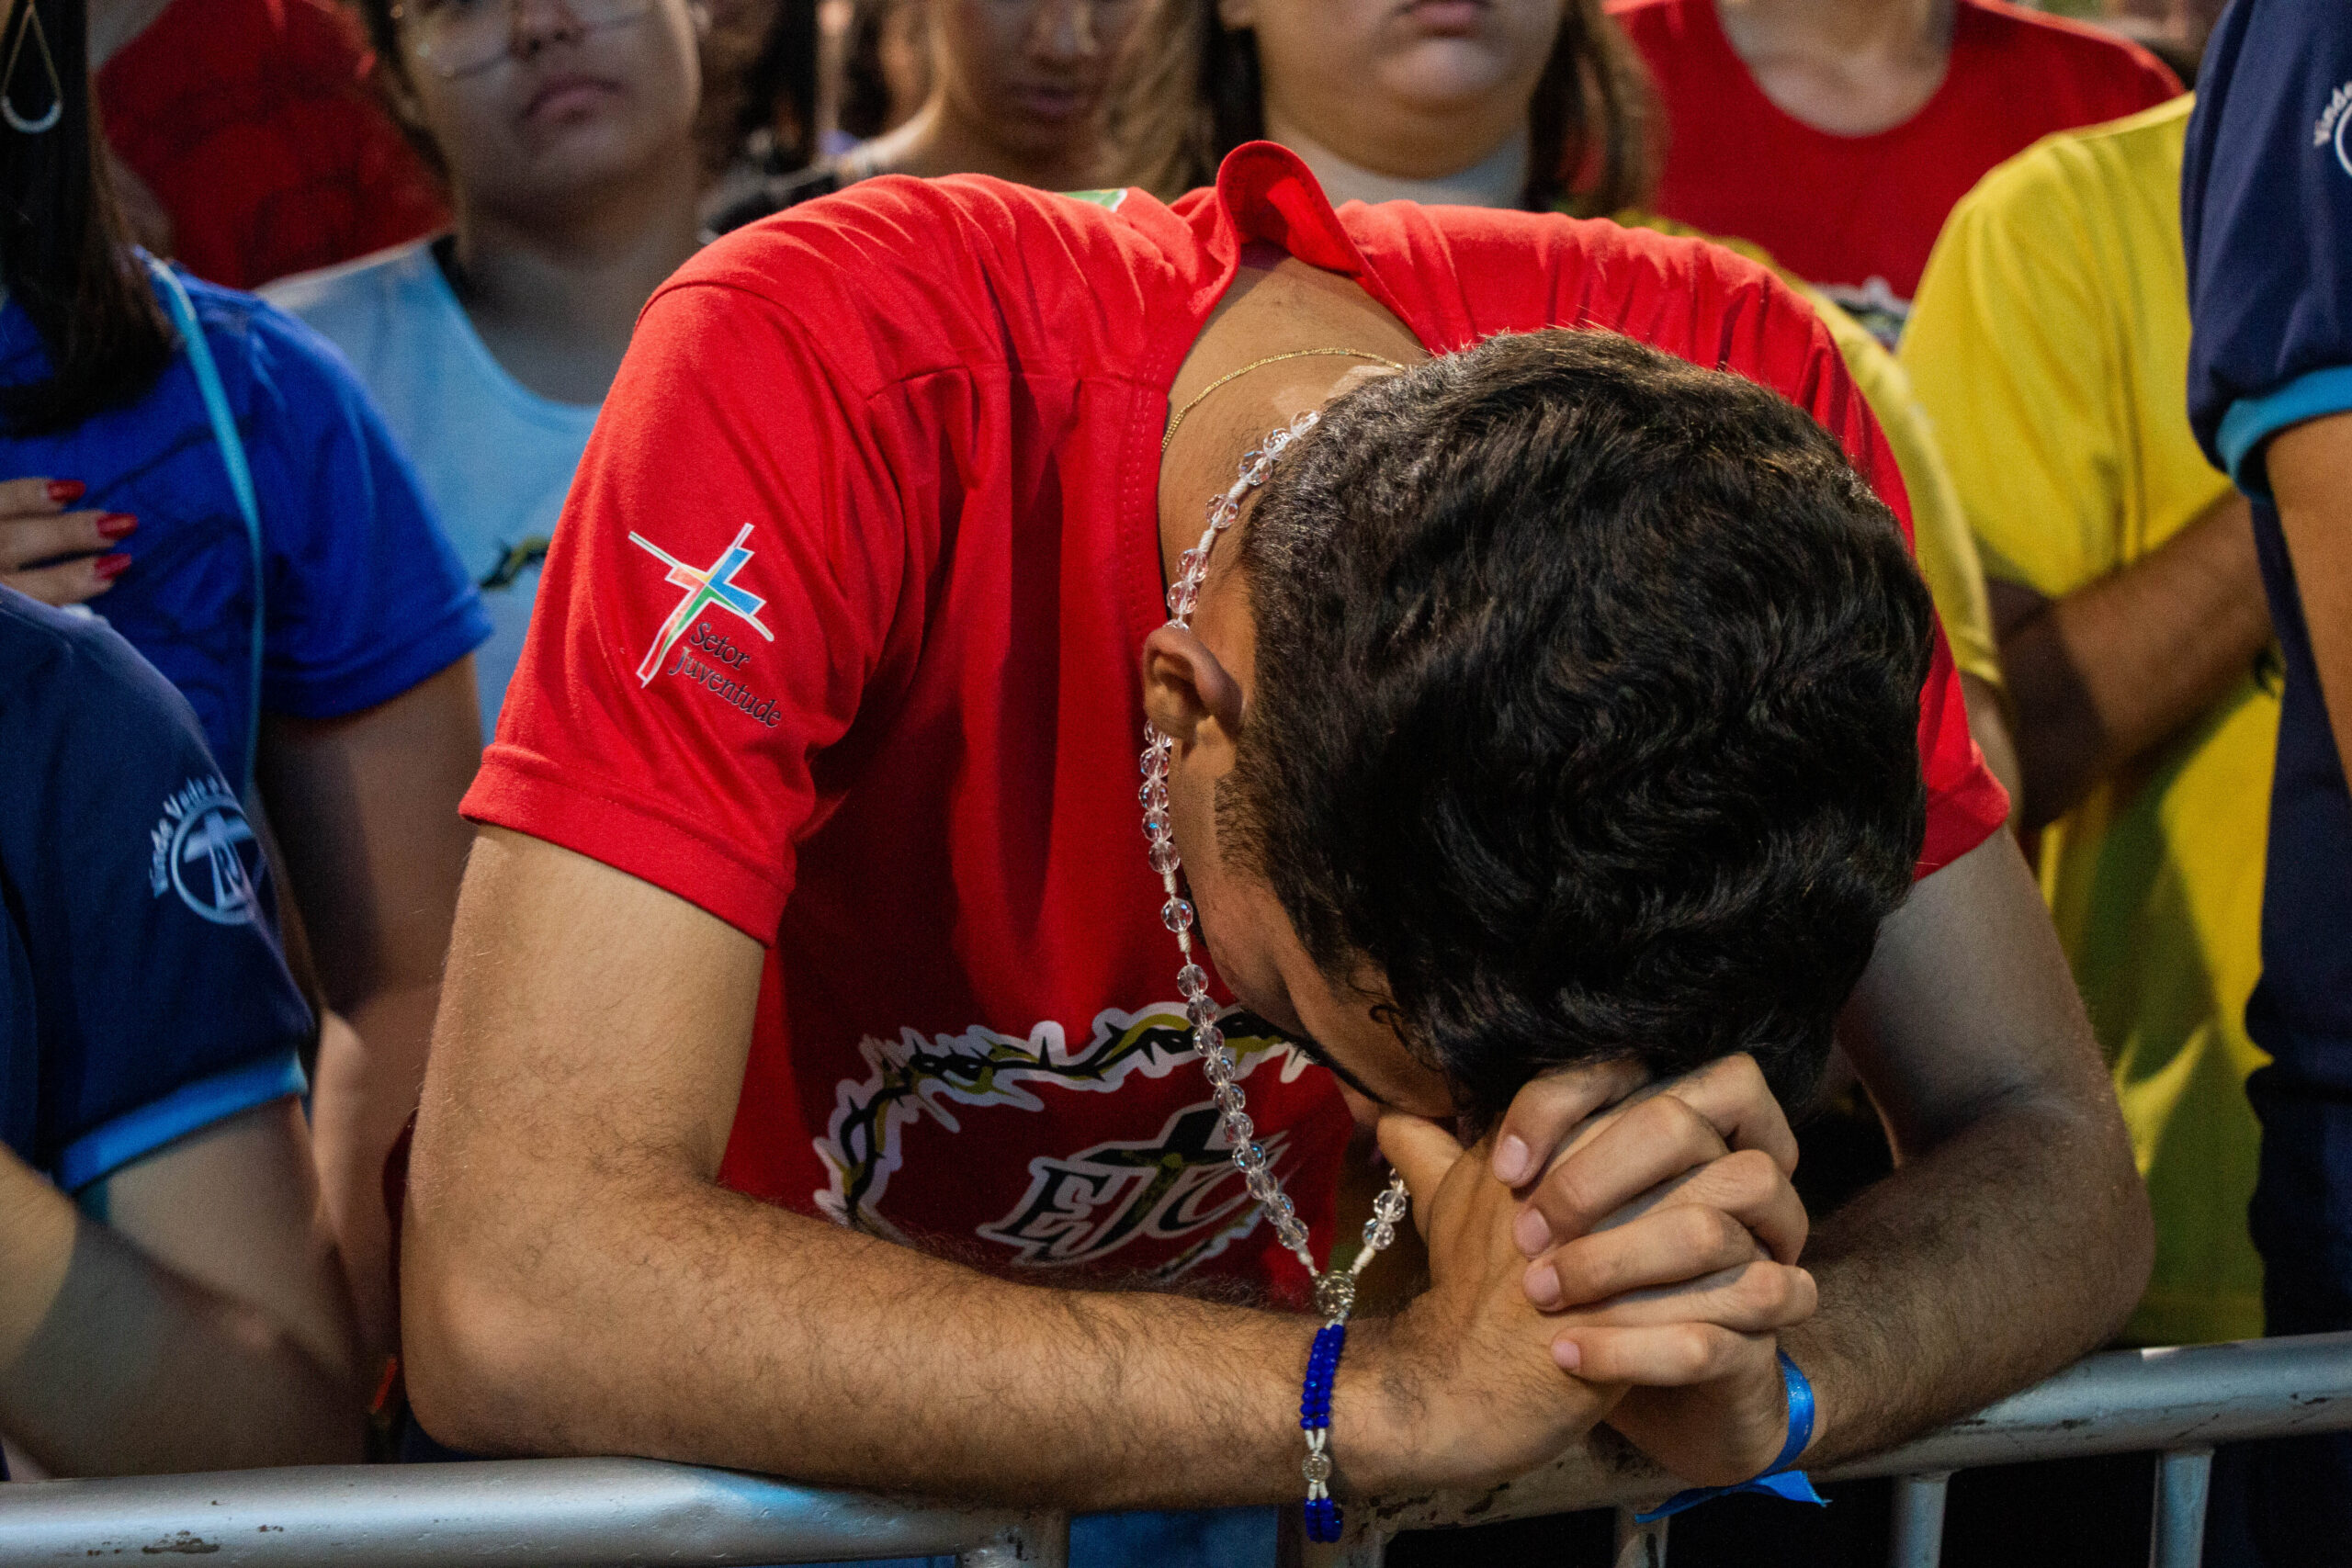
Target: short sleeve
(162,1003)
(2267,212)
(734,570)
(365,598)
(2007,358)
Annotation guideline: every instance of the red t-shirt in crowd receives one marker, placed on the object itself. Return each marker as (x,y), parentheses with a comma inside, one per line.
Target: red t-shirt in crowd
(252,123)
(1857,215)
(839,637)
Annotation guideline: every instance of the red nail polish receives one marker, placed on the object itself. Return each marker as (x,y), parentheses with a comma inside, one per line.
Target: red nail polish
(117,524)
(63,491)
(106,569)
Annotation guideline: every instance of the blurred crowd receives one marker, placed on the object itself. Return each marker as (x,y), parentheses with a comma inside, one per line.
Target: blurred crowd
(311,309)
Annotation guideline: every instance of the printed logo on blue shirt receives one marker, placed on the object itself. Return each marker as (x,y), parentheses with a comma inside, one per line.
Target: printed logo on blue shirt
(204,851)
(2330,128)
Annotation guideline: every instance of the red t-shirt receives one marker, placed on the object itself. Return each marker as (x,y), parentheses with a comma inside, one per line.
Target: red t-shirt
(1857,215)
(252,122)
(908,436)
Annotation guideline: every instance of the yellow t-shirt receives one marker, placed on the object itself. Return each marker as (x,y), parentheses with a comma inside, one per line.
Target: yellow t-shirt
(1939,528)
(2049,345)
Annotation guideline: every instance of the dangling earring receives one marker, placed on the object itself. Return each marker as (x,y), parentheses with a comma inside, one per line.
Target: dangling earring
(8,78)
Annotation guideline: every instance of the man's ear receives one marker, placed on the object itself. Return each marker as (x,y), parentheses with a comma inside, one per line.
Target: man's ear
(1188,694)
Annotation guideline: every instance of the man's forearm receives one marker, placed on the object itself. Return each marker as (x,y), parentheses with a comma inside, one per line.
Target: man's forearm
(2114,670)
(682,1321)
(1958,1278)
(574,1280)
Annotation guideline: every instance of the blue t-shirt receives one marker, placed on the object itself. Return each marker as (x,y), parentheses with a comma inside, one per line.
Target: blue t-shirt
(2266,211)
(363,598)
(142,996)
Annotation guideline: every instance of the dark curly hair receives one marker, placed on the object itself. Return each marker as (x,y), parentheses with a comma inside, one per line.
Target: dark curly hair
(1586,710)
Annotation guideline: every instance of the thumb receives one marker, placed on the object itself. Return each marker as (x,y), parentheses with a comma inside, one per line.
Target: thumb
(1421,1150)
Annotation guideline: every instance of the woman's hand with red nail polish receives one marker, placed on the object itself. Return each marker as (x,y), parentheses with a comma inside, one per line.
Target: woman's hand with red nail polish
(54,555)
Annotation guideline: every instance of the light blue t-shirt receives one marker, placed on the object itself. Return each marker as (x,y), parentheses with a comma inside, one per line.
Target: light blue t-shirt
(495,457)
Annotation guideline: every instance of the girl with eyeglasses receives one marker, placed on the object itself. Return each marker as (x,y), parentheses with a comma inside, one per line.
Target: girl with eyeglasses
(567,132)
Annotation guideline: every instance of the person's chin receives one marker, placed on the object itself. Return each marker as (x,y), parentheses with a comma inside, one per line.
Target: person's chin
(578,158)
(1434,72)
(1041,124)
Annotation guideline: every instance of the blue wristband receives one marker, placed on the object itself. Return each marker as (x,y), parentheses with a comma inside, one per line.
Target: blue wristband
(1778,1480)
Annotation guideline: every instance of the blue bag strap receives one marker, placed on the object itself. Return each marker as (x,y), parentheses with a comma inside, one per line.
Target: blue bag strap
(232,457)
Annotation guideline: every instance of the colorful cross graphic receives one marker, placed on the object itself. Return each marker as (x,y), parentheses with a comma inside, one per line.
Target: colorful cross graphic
(705,586)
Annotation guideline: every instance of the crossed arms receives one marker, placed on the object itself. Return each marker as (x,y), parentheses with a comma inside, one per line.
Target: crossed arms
(575,1280)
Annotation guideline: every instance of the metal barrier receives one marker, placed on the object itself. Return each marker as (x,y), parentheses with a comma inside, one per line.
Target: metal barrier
(606,1513)
(2180,1402)
(529,1513)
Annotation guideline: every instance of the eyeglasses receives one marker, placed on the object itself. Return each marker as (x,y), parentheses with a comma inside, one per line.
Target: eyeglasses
(460,37)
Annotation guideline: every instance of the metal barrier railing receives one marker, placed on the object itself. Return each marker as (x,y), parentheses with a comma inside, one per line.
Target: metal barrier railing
(524,1513)
(606,1513)
(2178,1403)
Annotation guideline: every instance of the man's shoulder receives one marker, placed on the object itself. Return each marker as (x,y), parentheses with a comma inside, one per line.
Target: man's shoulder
(928,265)
(1672,287)
(904,224)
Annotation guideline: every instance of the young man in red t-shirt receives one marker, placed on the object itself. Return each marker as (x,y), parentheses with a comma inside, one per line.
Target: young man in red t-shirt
(810,888)
(1839,140)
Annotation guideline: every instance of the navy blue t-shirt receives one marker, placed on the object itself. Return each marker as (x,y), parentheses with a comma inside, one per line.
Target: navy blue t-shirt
(142,996)
(364,598)
(2267,212)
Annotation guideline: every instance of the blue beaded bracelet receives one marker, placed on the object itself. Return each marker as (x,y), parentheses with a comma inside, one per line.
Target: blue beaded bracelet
(1315,1420)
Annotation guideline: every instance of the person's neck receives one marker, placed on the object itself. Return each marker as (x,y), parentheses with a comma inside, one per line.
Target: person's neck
(1848,67)
(937,141)
(1497,178)
(554,298)
(114,23)
(1276,305)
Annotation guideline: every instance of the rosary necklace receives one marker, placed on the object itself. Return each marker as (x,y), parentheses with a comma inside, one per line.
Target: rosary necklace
(1335,1288)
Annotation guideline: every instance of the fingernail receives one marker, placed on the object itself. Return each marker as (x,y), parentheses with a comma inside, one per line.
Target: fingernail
(1542,1285)
(106,569)
(116,525)
(66,490)
(1568,1354)
(1512,1160)
(1532,1231)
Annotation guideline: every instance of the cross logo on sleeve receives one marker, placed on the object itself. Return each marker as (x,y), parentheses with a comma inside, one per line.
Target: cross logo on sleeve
(710,587)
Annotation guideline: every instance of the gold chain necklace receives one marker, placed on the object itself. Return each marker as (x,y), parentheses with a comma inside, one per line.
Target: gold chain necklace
(1260,364)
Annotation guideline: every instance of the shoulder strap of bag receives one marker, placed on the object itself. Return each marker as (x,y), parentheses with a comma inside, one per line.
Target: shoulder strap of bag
(232,457)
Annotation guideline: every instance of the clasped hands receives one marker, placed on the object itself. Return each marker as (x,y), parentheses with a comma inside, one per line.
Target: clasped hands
(1612,1250)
